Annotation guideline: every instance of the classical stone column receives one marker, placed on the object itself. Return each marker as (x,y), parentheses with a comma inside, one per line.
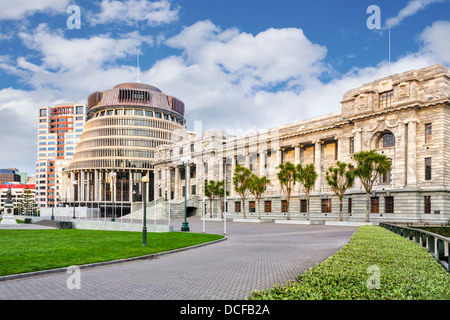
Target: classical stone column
(411,161)
(81,186)
(188,180)
(262,163)
(233,167)
(318,164)
(177,183)
(297,154)
(357,140)
(220,162)
(96,189)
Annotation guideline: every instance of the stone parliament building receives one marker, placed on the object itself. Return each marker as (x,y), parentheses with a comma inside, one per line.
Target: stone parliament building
(403,116)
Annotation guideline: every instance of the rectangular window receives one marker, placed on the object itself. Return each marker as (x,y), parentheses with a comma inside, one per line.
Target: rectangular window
(194,190)
(389,204)
(427,168)
(428,134)
(303,205)
(284,206)
(427,204)
(386,178)
(252,207)
(79,110)
(326,205)
(268,206)
(349,205)
(375,205)
(386,99)
(237,206)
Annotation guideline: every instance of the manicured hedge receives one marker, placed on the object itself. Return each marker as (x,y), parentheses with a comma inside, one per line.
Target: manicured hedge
(406,271)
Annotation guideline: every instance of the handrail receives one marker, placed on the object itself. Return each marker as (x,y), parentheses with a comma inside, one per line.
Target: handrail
(434,243)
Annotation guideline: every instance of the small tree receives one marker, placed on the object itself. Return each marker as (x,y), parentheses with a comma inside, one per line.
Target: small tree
(307,176)
(287,176)
(209,193)
(27,202)
(219,194)
(241,181)
(257,188)
(369,166)
(340,178)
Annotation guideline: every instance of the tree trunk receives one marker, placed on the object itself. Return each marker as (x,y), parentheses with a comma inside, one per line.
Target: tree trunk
(210,208)
(341,214)
(288,208)
(367,207)
(259,209)
(307,206)
(243,207)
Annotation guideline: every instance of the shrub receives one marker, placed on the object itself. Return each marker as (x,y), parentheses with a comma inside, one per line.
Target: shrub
(406,271)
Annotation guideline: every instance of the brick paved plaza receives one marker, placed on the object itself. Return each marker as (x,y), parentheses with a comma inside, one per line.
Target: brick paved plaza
(254,256)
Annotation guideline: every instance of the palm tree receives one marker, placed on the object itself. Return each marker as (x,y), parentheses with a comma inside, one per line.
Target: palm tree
(287,177)
(241,180)
(209,193)
(369,166)
(307,176)
(257,188)
(340,178)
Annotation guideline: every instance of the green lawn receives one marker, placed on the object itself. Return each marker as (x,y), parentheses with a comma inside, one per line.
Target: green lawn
(406,272)
(32,250)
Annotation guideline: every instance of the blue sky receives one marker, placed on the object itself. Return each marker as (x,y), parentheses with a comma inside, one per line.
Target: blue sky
(269,62)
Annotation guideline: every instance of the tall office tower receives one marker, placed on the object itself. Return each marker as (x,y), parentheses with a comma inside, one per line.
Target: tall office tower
(59,130)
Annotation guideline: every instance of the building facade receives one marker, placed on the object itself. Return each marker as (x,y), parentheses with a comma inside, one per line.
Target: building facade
(59,130)
(124,127)
(404,116)
(17,191)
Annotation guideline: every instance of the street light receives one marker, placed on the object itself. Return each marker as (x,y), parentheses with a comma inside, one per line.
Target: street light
(74,186)
(145,180)
(185,224)
(113,183)
(53,207)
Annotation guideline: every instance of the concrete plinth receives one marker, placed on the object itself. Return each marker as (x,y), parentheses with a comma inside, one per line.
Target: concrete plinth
(8,216)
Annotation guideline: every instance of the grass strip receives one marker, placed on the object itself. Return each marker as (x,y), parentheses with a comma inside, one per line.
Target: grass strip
(376,264)
(35,250)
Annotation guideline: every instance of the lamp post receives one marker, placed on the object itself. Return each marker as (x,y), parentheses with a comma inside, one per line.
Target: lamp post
(145,180)
(53,207)
(74,186)
(185,224)
(113,183)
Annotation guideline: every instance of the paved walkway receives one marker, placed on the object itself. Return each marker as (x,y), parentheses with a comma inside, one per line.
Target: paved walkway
(254,257)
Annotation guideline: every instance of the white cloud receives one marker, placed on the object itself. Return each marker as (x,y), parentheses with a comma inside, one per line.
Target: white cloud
(411,9)
(19,9)
(130,12)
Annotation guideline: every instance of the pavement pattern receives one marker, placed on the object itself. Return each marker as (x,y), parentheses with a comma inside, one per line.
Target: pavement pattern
(253,257)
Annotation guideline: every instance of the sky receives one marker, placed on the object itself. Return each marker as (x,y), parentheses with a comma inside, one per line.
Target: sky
(239,66)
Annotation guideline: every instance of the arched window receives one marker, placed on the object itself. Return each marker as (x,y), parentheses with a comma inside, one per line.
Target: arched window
(386,140)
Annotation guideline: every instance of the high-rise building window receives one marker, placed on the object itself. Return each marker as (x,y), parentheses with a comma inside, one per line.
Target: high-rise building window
(42,112)
(428,132)
(427,168)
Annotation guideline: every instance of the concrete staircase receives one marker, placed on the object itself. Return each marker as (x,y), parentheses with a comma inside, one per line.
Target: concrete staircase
(162,209)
